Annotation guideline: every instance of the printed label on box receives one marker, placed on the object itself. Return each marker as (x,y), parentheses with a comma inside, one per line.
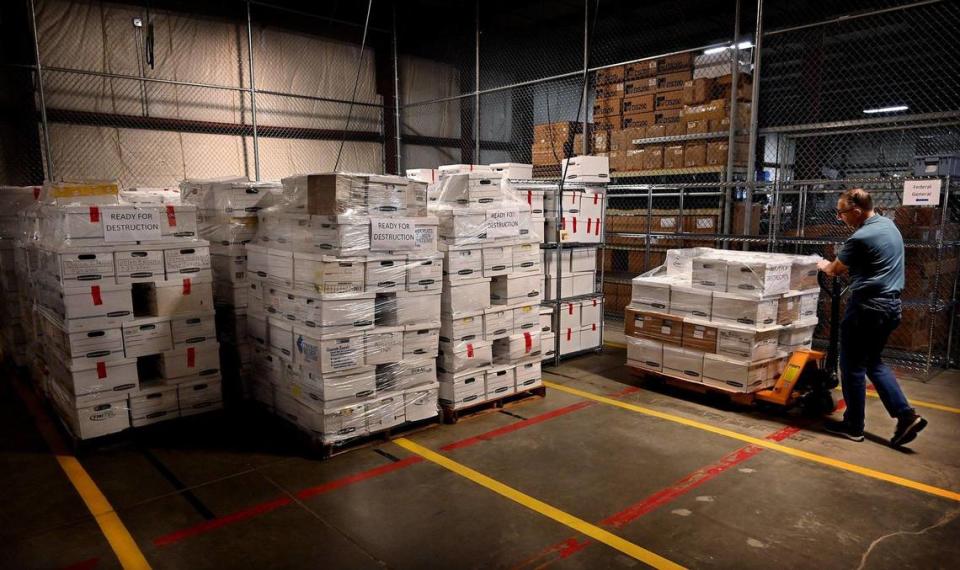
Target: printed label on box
(503,222)
(392,234)
(343,355)
(131,224)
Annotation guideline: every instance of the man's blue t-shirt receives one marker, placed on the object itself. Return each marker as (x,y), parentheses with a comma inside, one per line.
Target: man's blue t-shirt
(874,254)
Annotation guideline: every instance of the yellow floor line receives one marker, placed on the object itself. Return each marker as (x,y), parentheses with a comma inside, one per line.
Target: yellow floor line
(765,443)
(614,344)
(549,511)
(921,404)
(122,543)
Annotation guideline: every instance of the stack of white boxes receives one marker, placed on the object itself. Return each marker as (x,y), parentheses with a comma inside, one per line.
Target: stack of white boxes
(570,279)
(490,337)
(13,337)
(727,319)
(228,210)
(343,310)
(123,294)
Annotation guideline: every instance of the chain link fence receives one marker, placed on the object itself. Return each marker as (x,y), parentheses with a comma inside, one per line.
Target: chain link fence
(847,94)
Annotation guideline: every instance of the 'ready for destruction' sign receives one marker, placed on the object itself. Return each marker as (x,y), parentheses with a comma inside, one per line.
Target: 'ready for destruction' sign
(131,224)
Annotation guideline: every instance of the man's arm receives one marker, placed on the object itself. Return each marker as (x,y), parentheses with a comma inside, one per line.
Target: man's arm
(832,268)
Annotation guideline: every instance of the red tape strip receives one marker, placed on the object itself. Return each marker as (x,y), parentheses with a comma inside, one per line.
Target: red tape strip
(187,286)
(101,370)
(569,334)
(574,224)
(596,230)
(589,220)
(527,342)
(95,293)
(191,357)
(469,350)
(171,216)
(94,215)
(570,308)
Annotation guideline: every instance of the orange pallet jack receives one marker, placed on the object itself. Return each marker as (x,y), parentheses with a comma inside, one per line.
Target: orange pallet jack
(810,376)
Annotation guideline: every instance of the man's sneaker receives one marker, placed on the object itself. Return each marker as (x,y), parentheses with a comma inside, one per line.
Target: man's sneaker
(907,429)
(841,428)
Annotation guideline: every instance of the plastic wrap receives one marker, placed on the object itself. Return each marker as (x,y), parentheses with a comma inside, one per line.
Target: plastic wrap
(738,312)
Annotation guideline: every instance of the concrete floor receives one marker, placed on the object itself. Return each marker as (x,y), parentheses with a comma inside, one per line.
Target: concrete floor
(227,492)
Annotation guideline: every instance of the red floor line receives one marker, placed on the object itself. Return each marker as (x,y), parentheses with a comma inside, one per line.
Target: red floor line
(223,521)
(263,508)
(516,426)
(572,545)
(357,477)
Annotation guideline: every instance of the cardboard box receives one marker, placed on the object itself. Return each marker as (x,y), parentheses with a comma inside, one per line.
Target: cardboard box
(694,154)
(636,120)
(327,274)
(526,318)
(637,86)
(651,293)
(424,273)
(512,170)
(641,69)
(804,272)
(195,329)
(95,376)
(78,270)
(609,75)
(198,390)
(673,156)
(709,273)
(698,127)
(742,376)
(609,90)
(421,402)
(513,289)
(528,374)
(191,361)
(386,273)
(548,347)
(110,301)
(674,82)
(634,159)
(327,354)
(591,311)
(526,258)
(666,116)
(606,107)
(153,404)
(138,266)
(686,363)
(339,235)
(699,334)
(669,100)
(675,62)
(569,341)
(638,103)
(589,169)
(456,357)
(656,131)
(462,263)
(653,158)
(142,337)
(687,301)
(729,308)
(717,152)
(186,261)
(466,296)
(497,260)
(462,389)
(497,323)
(91,417)
(341,312)
(383,345)
(797,305)
(747,343)
(464,327)
(84,347)
(714,109)
(356,385)
(645,353)
(420,339)
(516,346)
(411,307)
(649,324)
(697,91)
(758,278)
(676,129)
(177,297)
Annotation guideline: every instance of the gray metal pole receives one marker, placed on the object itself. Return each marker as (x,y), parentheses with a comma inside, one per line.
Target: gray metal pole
(935,298)
(396,89)
(253,97)
(43,103)
(754,120)
(586,67)
(731,139)
(476,89)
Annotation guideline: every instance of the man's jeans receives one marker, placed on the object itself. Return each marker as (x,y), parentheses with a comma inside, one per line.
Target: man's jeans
(867,323)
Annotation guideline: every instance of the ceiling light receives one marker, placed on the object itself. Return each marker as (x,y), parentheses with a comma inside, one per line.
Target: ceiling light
(744,45)
(714,50)
(892,109)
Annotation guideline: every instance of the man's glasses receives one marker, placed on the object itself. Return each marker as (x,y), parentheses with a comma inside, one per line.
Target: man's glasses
(845,210)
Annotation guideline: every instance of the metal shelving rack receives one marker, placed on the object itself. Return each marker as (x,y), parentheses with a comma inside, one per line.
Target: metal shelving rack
(557,249)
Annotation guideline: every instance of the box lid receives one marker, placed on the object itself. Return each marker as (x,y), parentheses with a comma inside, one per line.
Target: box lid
(139,321)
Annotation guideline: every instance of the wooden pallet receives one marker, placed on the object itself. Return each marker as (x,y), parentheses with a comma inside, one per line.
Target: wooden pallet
(740,398)
(452,416)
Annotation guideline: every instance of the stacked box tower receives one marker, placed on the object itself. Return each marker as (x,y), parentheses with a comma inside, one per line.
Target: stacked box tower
(123,294)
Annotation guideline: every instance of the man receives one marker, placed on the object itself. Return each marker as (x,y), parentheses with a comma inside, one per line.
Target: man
(873,257)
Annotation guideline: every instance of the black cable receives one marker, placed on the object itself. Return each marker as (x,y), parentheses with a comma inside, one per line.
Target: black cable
(356,84)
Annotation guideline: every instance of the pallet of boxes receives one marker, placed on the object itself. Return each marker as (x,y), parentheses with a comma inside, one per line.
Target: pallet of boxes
(123,295)
(574,231)
(227,217)
(490,338)
(13,334)
(642,105)
(722,320)
(343,309)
